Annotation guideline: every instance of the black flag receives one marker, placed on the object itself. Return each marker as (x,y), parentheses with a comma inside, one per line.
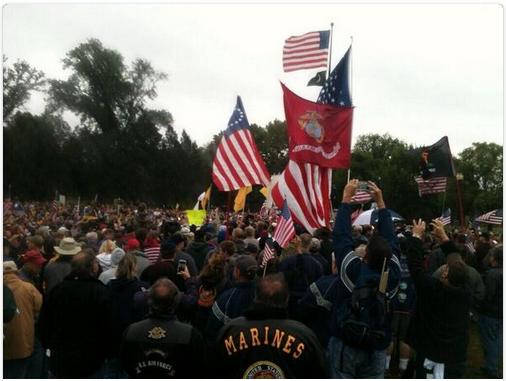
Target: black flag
(318,79)
(436,160)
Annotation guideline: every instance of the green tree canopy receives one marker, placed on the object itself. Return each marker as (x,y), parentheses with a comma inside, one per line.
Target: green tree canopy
(19,81)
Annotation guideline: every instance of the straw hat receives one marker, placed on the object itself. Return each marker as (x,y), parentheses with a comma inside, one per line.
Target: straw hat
(68,246)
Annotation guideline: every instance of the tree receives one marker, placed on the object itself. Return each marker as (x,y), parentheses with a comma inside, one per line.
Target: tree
(272,142)
(33,161)
(482,186)
(19,81)
(102,90)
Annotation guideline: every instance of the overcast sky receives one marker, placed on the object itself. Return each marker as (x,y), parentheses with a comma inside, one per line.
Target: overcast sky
(419,71)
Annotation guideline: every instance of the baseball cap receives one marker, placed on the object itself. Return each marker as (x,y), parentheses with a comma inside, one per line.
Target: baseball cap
(247,265)
(33,256)
(132,244)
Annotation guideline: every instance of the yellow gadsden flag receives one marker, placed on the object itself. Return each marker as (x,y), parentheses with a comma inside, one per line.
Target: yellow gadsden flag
(240,199)
(265,192)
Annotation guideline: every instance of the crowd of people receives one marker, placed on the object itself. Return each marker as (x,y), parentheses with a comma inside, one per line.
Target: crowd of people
(127,291)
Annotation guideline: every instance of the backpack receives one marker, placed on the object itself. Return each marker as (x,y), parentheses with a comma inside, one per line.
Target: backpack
(362,318)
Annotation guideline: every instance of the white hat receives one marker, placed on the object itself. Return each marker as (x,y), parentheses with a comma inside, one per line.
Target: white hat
(68,246)
(10,266)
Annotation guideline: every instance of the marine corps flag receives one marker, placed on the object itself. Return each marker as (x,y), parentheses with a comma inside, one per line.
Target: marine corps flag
(317,133)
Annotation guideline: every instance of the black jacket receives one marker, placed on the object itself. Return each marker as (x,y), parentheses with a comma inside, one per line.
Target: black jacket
(440,325)
(75,325)
(492,304)
(162,347)
(264,344)
(122,306)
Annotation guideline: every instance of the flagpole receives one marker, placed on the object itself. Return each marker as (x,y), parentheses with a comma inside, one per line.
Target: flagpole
(351,66)
(351,86)
(444,201)
(330,50)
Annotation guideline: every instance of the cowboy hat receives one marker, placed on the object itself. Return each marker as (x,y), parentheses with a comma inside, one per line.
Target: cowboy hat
(68,246)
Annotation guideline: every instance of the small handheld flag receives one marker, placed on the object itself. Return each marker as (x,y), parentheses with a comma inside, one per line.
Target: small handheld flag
(284,227)
(446,217)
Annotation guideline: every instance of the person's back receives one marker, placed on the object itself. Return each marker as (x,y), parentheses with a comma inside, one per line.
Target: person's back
(490,313)
(122,290)
(165,267)
(198,249)
(265,344)
(439,332)
(160,346)
(19,331)
(234,301)
(75,321)
(360,270)
(300,271)
(54,273)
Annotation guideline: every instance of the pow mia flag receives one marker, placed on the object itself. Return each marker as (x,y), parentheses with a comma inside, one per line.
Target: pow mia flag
(318,79)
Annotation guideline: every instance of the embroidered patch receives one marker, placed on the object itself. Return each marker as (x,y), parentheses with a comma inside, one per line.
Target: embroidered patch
(263,369)
(156,333)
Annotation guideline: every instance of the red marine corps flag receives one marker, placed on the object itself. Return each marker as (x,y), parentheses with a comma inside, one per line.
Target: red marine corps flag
(318,133)
(238,163)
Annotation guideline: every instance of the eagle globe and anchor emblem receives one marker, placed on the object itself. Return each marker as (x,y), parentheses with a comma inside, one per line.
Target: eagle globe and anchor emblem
(309,123)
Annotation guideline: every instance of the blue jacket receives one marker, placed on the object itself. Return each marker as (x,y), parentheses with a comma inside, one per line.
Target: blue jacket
(230,304)
(318,307)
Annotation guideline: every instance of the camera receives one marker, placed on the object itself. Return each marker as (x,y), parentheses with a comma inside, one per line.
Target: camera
(181,265)
(363,186)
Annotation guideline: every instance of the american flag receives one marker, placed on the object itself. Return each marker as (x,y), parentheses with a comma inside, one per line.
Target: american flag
(335,90)
(494,217)
(306,189)
(470,246)
(307,51)
(446,217)
(238,163)
(284,227)
(431,186)
(361,197)
(268,252)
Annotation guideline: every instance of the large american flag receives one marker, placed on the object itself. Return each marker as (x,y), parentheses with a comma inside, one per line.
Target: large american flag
(446,217)
(306,189)
(431,186)
(307,51)
(494,217)
(238,163)
(284,227)
(305,186)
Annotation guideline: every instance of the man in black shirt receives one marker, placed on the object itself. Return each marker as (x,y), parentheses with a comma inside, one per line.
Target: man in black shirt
(160,346)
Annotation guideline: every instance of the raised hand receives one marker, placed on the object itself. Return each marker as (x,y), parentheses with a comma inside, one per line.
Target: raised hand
(439,230)
(418,228)
(349,190)
(377,194)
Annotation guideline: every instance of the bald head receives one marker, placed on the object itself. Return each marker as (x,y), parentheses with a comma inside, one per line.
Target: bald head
(163,297)
(272,291)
